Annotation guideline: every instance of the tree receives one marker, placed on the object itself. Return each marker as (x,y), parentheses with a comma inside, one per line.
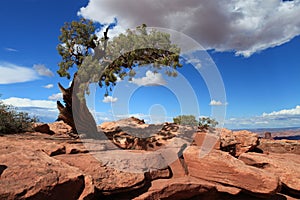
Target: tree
(100,60)
(185,120)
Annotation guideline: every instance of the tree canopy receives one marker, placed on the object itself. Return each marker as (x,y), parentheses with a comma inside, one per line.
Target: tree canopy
(103,60)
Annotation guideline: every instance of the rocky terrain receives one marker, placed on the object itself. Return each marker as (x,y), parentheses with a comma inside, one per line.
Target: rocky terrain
(51,164)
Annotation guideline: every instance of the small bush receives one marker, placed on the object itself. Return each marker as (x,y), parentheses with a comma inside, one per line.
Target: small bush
(185,120)
(203,124)
(206,122)
(12,121)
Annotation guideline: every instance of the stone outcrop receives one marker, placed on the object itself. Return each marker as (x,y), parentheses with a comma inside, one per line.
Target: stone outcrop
(60,128)
(268,135)
(238,142)
(280,146)
(42,166)
(286,167)
(207,139)
(180,188)
(220,167)
(35,175)
(43,128)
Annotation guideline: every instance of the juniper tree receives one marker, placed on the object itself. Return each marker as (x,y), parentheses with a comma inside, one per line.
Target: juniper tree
(103,60)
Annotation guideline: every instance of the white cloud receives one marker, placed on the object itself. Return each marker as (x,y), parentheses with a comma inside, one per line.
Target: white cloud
(217,103)
(284,112)
(11,73)
(275,119)
(55,96)
(42,70)
(25,102)
(48,86)
(243,26)
(11,49)
(109,99)
(151,79)
(196,62)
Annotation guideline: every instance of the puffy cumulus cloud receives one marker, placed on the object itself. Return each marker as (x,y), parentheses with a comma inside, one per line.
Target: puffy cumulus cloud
(245,27)
(151,79)
(25,102)
(275,119)
(42,70)
(48,86)
(284,112)
(56,96)
(109,99)
(11,73)
(217,103)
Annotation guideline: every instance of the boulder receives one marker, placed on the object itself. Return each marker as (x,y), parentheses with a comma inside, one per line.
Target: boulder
(238,142)
(35,175)
(280,146)
(60,128)
(108,127)
(180,188)
(285,166)
(220,167)
(43,128)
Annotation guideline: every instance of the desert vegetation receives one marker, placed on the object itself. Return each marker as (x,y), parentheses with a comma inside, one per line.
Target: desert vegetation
(12,121)
(203,123)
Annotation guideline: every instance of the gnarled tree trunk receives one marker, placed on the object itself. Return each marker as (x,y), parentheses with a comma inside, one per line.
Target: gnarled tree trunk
(75,112)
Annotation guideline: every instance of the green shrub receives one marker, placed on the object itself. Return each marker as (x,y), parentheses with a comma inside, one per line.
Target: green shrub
(12,121)
(203,124)
(185,120)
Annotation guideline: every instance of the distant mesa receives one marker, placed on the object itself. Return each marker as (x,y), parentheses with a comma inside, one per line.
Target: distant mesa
(268,135)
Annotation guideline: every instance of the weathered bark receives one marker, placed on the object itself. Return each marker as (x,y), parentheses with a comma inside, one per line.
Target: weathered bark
(75,112)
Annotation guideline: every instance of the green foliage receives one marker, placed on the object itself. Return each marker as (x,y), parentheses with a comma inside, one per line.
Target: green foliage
(185,120)
(203,124)
(76,38)
(206,122)
(102,60)
(12,121)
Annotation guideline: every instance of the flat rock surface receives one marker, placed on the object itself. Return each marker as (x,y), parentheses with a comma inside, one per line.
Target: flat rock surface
(106,179)
(280,146)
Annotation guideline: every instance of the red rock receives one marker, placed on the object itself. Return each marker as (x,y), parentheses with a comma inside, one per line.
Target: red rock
(286,166)
(106,179)
(89,191)
(177,169)
(43,128)
(220,167)
(202,138)
(238,142)
(60,128)
(108,127)
(180,188)
(280,146)
(35,175)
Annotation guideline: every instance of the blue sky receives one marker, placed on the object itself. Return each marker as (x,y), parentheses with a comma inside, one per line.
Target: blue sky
(255,46)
